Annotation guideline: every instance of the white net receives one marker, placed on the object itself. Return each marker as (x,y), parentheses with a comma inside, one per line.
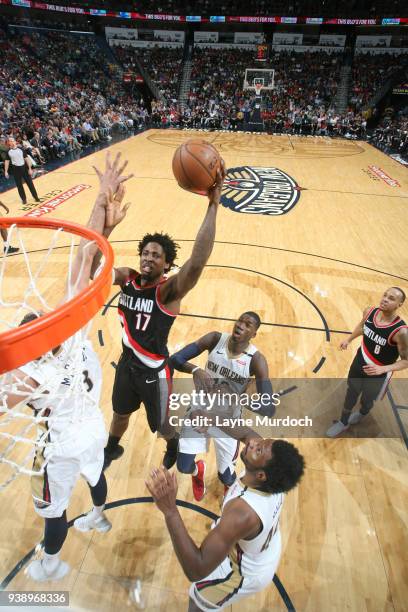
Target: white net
(41,399)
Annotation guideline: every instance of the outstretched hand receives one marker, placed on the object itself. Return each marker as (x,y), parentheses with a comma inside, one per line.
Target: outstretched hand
(112,176)
(114,213)
(163,488)
(214,193)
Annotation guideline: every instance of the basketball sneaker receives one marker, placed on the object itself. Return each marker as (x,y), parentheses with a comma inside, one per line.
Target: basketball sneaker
(355,418)
(336,429)
(199,481)
(169,459)
(89,522)
(112,455)
(37,571)
(170,456)
(8,250)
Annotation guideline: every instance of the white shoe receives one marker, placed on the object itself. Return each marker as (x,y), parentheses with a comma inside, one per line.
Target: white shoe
(37,571)
(355,418)
(87,523)
(337,428)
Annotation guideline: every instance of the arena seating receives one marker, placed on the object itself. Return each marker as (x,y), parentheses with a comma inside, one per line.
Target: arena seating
(56,107)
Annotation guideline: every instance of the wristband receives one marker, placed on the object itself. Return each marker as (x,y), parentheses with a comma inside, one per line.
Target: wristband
(195,369)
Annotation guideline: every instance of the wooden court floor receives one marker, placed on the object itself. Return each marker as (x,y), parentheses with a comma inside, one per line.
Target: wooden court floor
(309,273)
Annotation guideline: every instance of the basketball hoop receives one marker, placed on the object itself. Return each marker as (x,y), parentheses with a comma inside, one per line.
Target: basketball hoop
(40,290)
(258,88)
(258,79)
(20,345)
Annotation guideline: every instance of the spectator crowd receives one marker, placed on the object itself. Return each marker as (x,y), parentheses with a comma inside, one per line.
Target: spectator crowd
(369,73)
(54,108)
(391,134)
(161,64)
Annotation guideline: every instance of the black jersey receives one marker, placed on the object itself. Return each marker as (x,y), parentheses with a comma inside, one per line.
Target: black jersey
(378,346)
(145,322)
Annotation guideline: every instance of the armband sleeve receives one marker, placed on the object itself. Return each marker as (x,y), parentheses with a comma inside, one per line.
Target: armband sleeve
(181,357)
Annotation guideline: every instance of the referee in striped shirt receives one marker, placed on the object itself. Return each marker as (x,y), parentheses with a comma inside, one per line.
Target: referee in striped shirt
(20,169)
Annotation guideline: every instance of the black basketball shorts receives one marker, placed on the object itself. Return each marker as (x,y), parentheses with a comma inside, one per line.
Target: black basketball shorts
(135,385)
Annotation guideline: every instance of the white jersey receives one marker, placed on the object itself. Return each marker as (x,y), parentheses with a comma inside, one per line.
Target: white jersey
(253,557)
(231,371)
(232,375)
(69,390)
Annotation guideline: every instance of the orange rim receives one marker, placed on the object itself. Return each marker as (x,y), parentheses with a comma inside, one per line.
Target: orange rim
(23,344)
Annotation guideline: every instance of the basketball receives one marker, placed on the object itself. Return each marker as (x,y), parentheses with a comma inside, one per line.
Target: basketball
(195,165)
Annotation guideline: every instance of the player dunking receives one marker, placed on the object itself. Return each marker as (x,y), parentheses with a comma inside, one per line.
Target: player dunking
(76,433)
(232,360)
(240,555)
(148,305)
(385,338)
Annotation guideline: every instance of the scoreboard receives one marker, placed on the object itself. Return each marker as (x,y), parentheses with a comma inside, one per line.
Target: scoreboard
(262,52)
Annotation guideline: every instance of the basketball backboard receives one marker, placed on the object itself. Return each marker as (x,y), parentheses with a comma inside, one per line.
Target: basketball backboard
(256,76)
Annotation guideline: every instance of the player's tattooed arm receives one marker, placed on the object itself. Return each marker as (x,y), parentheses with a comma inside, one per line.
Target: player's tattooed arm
(401,339)
(238,521)
(177,286)
(357,331)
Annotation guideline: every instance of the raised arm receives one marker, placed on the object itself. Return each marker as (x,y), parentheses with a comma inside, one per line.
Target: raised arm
(177,286)
(108,201)
(22,389)
(110,179)
(238,521)
(115,213)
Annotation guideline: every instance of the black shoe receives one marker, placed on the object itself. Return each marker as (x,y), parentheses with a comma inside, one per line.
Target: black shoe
(169,459)
(37,199)
(170,456)
(112,455)
(9,250)
(24,202)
